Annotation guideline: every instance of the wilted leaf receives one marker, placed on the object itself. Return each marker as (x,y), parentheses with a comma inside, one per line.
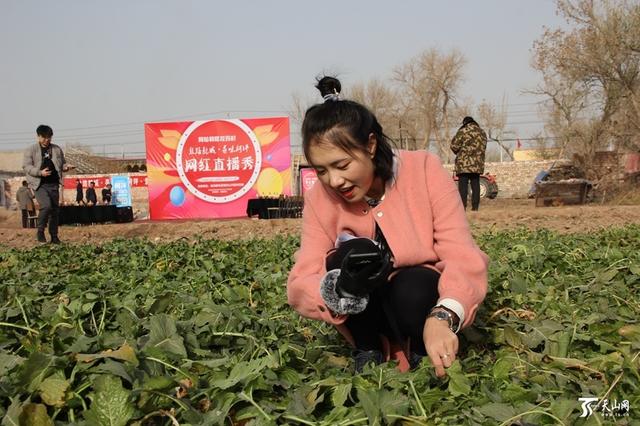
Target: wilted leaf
(124,353)
(53,390)
(35,415)
(630,332)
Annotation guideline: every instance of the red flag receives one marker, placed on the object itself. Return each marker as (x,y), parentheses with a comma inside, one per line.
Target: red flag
(518,144)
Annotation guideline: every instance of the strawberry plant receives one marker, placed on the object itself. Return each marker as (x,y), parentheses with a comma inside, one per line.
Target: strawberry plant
(135,333)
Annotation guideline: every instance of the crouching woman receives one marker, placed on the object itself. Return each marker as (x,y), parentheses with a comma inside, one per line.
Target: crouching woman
(386,252)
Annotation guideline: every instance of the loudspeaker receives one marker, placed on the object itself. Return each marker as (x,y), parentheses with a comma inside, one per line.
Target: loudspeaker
(124,214)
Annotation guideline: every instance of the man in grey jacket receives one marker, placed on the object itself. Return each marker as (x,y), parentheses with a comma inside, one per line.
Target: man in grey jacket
(44,164)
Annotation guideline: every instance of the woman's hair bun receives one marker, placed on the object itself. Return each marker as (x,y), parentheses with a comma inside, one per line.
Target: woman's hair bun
(329,86)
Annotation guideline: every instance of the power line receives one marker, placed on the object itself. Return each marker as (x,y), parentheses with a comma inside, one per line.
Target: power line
(131,123)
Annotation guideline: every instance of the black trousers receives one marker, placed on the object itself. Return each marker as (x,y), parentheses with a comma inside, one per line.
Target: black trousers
(397,309)
(463,187)
(48,197)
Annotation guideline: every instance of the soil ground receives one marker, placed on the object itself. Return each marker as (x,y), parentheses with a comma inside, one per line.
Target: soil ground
(494,214)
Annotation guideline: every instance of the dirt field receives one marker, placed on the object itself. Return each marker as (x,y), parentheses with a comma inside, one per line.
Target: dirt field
(498,214)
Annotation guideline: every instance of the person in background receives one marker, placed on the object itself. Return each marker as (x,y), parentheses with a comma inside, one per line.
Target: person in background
(92,197)
(106,194)
(44,165)
(24,197)
(469,144)
(386,253)
(79,193)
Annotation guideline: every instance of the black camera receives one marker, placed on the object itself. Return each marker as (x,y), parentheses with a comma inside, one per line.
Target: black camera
(363,267)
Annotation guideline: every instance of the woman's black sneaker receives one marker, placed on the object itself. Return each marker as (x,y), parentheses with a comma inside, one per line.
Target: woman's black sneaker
(363,358)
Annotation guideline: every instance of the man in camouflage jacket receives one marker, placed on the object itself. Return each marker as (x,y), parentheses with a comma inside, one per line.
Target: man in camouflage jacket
(469,145)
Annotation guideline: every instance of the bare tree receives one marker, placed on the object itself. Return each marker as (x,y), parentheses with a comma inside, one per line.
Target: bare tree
(383,101)
(591,76)
(493,121)
(429,85)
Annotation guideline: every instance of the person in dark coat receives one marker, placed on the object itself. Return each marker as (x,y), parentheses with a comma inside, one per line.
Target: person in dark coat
(25,197)
(79,196)
(106,194)
(92,198)
(469,144)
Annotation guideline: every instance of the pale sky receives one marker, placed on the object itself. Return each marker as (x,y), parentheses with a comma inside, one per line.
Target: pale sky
(96,71)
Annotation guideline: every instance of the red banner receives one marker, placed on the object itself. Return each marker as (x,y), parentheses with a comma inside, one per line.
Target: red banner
(135,181)
(210,169)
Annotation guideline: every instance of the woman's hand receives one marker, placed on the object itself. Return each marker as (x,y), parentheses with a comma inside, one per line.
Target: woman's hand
(441,344)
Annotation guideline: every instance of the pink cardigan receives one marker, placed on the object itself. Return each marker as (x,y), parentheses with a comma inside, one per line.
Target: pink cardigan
(423,221)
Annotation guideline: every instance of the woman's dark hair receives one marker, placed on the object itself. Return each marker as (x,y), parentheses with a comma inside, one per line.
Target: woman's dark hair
(348,125)
(44,131)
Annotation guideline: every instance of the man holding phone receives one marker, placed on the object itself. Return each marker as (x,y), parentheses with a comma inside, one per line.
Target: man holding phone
(44,165)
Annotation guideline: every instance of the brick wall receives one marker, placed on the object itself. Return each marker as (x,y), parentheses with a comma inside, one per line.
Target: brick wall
(515,177)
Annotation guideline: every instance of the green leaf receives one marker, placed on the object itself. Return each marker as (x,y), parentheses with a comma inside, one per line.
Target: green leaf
(518,284)
(340,394)
(12,417)
(502,368)
(110,404)
(368,401)
(158,383)
(8,362)
(459,383)
(164,335)
(242,372)
(379,404)
(497,411)
(35,415)
(563,408)
(304,400)
(512,337)
(161,303)
(218,414)
(606,276)
(35,369)
(53,390)
(113,367)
